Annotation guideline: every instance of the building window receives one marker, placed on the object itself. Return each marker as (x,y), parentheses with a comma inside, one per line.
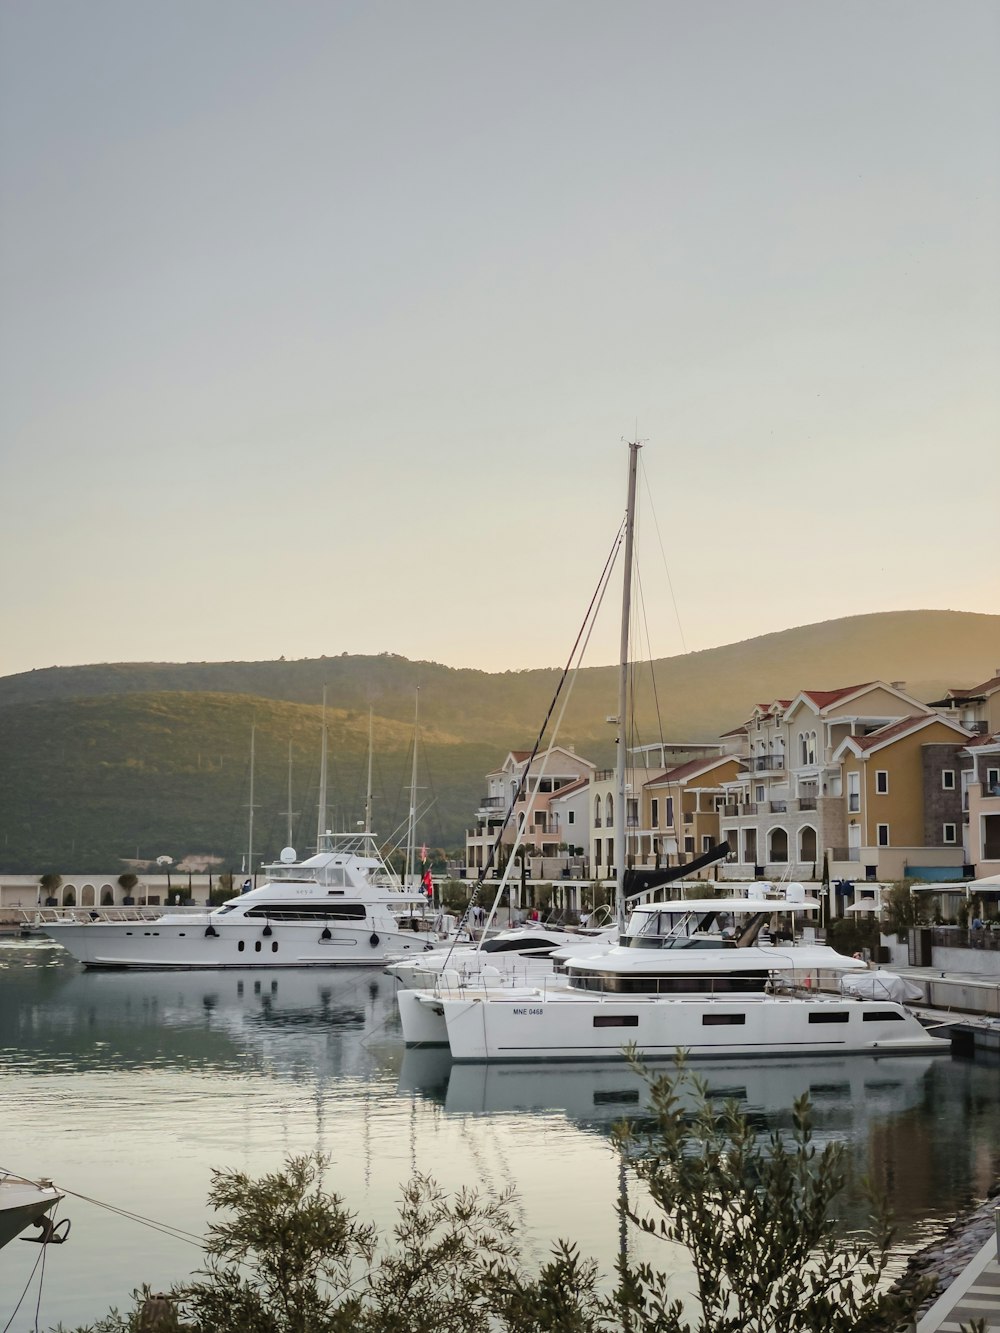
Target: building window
(654,812)
(570,816)
(597,812)
(882,781)
(759,795)
(948,779)
(670,812)
(609,812)
(853,793)
(882,834)
(706,842)
(689,844)
(993,779)
(948,834)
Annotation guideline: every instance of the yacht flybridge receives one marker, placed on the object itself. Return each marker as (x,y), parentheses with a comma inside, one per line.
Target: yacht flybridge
(341,907)
(713,977)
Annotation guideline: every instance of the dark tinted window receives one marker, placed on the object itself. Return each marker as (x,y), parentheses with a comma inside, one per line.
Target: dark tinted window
(837,1016)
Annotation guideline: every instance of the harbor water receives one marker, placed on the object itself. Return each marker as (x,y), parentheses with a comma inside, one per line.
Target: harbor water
(129,1088)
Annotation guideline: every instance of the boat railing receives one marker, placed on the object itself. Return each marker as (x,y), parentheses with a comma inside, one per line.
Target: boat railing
(820,984)
(42,916)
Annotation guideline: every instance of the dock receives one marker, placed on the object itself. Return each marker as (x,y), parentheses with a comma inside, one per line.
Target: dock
(973,1294)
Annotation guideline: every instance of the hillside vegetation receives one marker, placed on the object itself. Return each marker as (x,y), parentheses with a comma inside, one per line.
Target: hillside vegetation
(99,763)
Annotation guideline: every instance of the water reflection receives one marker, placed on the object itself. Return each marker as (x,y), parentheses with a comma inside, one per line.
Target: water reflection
(132,1087)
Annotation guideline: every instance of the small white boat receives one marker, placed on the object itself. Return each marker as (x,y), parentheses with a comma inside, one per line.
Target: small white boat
(23,1202)
(342,907)
(522,955)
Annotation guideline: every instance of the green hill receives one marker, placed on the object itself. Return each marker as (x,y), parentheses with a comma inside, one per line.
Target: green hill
(111,761)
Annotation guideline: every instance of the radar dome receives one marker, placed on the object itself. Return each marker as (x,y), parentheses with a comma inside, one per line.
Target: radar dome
(287,856)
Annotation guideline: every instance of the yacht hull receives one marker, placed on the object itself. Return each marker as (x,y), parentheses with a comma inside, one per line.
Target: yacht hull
(241,944)
(541,1027)
(21,1204)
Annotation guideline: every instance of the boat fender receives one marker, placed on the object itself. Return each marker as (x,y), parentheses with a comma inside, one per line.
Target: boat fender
(374,940)
(326,933)
(267,930)
(210,930)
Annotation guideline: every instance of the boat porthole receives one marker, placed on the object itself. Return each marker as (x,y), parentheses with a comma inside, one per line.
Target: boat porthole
(374,940)
(256,946)
(274,946)
(241,946)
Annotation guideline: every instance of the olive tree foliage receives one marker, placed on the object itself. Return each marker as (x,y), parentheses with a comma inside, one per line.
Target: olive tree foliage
(754,1213)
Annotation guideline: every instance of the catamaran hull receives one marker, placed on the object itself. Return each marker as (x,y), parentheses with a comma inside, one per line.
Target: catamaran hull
(150,944)
(541,1028)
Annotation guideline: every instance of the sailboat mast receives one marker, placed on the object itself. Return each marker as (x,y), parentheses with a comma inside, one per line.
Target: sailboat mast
(289,811)
(321,811)
(253,743)
(368,789)
(411,830)
(621,763)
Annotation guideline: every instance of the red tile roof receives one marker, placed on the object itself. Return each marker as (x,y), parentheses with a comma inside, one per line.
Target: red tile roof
(823,698)
(694,766)
(987,687)
(892,731)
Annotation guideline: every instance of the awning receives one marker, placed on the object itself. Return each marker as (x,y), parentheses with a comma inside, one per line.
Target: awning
(865,905)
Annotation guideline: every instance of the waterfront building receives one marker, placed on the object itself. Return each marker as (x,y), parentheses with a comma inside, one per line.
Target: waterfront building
(789,804)
(981,804)
(549,773)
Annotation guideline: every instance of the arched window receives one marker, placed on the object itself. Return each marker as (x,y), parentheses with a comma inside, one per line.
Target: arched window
(69,897)
(597,812)
(609,811)
(88,896)
(803,751)
(107,896)
(777,846)
(807,843)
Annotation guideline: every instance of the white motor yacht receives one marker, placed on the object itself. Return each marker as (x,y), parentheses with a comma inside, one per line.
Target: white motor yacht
(707,976)
(23,1202)
(341,907)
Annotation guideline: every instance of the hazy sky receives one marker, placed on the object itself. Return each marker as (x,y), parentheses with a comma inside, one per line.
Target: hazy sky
(323,323)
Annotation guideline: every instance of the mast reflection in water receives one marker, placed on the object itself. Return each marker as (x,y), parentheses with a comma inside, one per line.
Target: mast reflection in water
(131,1087)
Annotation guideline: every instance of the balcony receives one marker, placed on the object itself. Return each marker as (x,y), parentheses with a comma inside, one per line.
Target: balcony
(740,808)
(604,775)
(763,763)
(845,853)
(805,803)
(778,807)
(492,803)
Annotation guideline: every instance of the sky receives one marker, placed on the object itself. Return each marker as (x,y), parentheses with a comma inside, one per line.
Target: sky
(323,326)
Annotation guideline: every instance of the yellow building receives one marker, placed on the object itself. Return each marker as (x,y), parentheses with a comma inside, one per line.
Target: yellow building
(903,795)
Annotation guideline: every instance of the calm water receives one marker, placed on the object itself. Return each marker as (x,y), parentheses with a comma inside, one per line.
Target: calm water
(129,1088)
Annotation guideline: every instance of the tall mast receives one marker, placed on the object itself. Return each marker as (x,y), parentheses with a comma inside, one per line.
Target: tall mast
(621,743)
(411,829)
(368,789)
(321,811)
(289,812)
(253,742)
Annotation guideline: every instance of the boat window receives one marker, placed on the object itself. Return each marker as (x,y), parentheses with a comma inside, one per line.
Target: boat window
(883,1015)
(616,1020)
(241,946)
(229,907)
(836,1016)
(723,1020)
(620,984)
(323,911)
(512,946)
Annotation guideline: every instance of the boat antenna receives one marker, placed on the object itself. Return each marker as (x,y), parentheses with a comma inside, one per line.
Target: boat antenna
(321,811)
(620,754)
